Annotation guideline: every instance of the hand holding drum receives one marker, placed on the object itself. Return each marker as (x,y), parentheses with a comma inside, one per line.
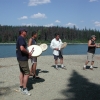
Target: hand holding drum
(63,45)
(36,50)
(98,45)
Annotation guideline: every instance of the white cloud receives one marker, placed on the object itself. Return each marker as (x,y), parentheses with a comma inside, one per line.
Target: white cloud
(37,2)
(30,24)
(57,21)
(97,23)
(70,24)
(23,17)
(38,15)
(92,0)
(48,25)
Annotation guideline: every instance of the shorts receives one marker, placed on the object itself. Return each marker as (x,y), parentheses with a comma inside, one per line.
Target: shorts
(34,60)
(90,56)
(24,67)
(59,56)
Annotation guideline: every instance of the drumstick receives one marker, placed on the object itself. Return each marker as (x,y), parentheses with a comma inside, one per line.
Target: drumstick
(32,50)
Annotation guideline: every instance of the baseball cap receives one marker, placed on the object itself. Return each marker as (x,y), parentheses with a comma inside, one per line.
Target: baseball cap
(93,36)
(22,29)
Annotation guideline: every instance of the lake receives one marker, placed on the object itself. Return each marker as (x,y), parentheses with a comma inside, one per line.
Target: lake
(9,50)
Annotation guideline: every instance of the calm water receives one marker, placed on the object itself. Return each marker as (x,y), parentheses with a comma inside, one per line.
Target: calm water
(9,50)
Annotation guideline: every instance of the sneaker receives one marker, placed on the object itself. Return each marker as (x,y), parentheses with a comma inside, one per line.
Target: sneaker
(84,67)
(26,92)
(91,68)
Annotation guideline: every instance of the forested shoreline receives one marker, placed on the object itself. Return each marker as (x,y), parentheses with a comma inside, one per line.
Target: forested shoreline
(9,34)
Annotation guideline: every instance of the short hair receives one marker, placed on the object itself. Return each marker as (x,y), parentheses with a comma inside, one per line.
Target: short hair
(34,33)
(56,34)
(21,30)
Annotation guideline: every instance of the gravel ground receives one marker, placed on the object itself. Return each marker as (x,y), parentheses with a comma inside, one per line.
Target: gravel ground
(71,84)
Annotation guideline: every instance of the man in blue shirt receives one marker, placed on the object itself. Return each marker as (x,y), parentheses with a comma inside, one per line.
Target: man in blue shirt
(22,56)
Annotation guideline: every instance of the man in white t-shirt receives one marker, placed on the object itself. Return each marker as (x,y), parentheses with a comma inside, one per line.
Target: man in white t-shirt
(55,45)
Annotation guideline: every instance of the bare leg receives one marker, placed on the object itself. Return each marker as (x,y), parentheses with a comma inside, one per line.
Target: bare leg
(25,81)
(61,61)
(91,67)
(21,77)
(56,63)
(34,68)
(31,71)
(84,67)
(86,62)
(92,63)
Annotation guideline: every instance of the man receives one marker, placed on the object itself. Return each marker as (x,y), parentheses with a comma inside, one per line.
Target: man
(91,51)
(32,41)
(55,45)
(22,57)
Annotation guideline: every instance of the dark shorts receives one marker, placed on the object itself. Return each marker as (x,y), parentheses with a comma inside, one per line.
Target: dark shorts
(59,56)
(24,67)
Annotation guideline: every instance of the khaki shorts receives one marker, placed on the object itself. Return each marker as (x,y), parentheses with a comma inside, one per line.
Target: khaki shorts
(34,60)
(90,56)
(24,67)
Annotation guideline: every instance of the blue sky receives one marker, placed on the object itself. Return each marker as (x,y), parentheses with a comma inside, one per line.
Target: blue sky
(81,13)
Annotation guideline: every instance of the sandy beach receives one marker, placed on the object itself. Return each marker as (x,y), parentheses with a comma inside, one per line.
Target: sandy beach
(71,84)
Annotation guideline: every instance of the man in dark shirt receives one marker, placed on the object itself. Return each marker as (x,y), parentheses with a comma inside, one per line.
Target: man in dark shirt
(22,56)
(91,51)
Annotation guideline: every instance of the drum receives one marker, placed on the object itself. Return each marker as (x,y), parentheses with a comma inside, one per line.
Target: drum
(44,46)
(35,50)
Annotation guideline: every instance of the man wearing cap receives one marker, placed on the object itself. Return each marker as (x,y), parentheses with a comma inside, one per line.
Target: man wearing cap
(22,56)
(91,51)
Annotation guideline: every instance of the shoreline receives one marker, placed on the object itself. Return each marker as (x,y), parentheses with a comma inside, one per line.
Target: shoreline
(46,43)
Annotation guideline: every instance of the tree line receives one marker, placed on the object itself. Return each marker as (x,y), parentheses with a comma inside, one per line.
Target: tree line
(9,34)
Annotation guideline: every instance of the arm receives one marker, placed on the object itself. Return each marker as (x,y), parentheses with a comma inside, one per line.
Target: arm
(25,51)
(52,46)
(22,48)
(89,44)
(30,42)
